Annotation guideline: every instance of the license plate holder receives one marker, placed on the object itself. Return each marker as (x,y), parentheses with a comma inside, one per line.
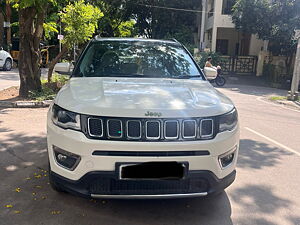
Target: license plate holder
(152,170)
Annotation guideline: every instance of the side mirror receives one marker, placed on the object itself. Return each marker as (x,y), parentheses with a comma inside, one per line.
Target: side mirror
(1,48)
(64,68)
(210,73)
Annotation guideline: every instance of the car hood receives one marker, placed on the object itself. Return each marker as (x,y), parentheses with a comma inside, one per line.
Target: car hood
(141,97)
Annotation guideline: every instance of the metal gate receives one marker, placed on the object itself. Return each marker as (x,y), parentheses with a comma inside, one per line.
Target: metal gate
(239,64)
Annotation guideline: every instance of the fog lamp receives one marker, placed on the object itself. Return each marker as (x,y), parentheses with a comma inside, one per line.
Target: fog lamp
(65,159)
(226,159)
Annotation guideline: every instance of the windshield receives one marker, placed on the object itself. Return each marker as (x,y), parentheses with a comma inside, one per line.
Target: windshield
(136,59)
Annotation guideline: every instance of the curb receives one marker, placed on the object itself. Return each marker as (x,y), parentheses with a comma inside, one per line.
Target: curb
(26,104)
(289,104)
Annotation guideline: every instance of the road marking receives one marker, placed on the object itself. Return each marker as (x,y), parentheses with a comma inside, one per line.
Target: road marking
(275,104)
(273,141)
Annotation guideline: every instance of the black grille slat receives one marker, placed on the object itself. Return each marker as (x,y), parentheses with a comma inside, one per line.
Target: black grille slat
(206,128)
(189,129)
(134,129)
(153,129)
(171,129)
(114,128)
(95,127)
(115,186)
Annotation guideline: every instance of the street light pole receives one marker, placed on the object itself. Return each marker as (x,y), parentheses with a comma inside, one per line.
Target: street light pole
(294,94)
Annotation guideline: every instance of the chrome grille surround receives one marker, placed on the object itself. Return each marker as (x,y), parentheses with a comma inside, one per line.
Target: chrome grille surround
(212,129)
(121,125)
(89,130)
(121,132)
(159,129)
(127,126)
(195,128)
(165,129)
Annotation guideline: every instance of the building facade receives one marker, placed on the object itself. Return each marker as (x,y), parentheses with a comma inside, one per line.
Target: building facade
(218,33)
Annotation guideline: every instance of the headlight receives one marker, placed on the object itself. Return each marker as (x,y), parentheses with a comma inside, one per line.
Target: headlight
(228,121)
(65,119)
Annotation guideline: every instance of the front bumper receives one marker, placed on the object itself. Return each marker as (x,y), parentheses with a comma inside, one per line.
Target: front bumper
(107,185)
(205,175)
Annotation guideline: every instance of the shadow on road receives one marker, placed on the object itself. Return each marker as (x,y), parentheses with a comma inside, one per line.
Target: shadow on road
(23,150)
(261,202)
(255,90)
(256,155)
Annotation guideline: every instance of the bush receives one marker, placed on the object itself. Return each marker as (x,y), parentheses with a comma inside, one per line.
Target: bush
(49,89)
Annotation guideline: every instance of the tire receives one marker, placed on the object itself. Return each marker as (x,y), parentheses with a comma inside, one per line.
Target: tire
(54,185)
(220,81)
(7,65)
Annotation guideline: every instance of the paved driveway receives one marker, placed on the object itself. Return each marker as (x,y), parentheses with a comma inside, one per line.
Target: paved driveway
(266,191)
(9,78)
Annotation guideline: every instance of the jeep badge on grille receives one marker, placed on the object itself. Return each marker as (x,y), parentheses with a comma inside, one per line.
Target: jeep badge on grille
(154,114)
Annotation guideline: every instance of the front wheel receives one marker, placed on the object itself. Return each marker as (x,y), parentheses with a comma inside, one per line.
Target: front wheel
(220,81)
(7,65)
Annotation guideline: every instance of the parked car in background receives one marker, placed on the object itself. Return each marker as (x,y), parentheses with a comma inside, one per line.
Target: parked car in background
(6,61)
(138,119)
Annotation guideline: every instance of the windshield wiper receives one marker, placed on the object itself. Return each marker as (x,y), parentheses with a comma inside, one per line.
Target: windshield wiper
(126,75)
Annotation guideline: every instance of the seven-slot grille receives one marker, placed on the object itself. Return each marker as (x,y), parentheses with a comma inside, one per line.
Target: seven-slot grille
(150,129)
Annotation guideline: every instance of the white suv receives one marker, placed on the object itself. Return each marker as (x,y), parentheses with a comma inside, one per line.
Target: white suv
(6,61)
(138,119)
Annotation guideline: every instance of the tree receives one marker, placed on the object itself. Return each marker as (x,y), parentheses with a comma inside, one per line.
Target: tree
(271,20)
(150,20)
(117,20)
(80,22)
(32,14)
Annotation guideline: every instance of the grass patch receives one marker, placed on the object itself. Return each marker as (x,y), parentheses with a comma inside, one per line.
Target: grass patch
(278,98)
(49,89)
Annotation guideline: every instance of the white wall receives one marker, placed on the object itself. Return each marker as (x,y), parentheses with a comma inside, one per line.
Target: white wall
(231,35)
(224,21)
(256,45)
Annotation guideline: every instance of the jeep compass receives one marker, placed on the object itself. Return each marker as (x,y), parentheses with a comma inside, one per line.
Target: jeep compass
(138,119)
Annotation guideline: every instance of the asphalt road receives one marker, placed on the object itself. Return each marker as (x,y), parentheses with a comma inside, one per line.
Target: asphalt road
(266,191)
(11,78)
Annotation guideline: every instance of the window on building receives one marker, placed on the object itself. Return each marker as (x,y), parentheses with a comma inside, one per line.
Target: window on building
(209,35)
(211,8)
(227,6)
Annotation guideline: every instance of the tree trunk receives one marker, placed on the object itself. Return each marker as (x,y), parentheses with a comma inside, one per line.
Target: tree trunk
(1,29)
(8,18)
(31,31)
(54,61)
(288,64)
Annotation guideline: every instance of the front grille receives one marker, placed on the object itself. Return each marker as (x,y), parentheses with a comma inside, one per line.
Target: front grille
(113,186)
(142,129)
